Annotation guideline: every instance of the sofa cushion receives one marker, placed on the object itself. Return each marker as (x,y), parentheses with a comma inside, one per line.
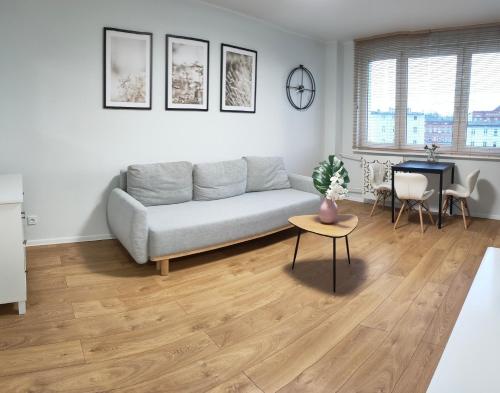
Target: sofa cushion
(197,224)
(217,180)
(266,173)
(161,184)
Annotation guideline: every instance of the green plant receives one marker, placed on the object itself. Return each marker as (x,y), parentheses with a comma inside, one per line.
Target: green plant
(331,178)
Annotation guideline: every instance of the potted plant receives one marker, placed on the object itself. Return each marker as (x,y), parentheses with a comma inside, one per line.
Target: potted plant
(431,152)
(330,178)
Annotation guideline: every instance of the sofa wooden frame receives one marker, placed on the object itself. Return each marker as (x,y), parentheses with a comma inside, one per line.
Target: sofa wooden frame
(163,262)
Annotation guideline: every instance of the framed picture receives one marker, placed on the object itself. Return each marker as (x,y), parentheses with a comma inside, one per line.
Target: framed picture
(127,69)
(186,73)
(238,79)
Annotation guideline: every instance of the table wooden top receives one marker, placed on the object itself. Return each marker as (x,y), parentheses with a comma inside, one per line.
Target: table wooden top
(344,226)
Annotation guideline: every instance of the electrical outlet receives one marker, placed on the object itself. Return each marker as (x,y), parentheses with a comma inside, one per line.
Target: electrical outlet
(31,220)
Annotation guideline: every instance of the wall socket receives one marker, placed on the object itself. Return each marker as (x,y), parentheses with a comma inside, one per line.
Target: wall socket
(31,220)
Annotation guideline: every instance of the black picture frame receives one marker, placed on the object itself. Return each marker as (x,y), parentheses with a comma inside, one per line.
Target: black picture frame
(234,108)
(187,107)
(149,57)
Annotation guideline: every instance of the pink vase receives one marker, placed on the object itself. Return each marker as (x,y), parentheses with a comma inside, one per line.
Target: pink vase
(328,212)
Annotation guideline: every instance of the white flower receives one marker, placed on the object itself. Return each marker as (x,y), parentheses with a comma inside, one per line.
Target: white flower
(336,190)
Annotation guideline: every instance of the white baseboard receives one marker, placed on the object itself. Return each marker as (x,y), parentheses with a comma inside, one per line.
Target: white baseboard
(484,215)
(89,238)
(355,197)
(71,239)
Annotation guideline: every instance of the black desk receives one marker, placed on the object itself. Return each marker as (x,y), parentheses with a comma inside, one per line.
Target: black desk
(425,167)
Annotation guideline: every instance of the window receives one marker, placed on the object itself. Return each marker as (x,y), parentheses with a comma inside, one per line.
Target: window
(438,87)
(484,94)
(382,101)
(431,91)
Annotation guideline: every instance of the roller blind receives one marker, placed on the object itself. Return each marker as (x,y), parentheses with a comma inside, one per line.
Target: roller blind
(439,87)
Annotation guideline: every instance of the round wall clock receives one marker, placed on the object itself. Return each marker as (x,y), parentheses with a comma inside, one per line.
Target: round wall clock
(300,88)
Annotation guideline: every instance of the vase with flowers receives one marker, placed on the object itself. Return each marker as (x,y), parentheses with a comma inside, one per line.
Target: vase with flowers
(431,152)
(330,178)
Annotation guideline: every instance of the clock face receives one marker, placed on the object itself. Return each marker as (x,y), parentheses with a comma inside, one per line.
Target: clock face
(300,88)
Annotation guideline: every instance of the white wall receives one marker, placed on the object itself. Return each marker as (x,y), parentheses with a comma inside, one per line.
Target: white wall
(485,201)
(54,131)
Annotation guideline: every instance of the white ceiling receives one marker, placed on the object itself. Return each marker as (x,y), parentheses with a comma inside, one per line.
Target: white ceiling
(328,20)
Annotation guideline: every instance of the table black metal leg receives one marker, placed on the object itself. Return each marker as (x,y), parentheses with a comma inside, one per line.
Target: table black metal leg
(392,193)
(348,253)
(440,203)
(452,182)
(334,262)
(296,248)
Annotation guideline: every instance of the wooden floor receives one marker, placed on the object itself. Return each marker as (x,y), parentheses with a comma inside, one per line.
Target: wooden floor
(239,320)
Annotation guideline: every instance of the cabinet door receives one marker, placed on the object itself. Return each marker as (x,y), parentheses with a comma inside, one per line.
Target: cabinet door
(13,277)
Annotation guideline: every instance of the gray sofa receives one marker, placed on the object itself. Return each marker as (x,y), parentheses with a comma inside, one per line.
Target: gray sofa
(163,211)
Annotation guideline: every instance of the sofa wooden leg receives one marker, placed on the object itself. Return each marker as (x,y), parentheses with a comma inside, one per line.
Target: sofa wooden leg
(164,267)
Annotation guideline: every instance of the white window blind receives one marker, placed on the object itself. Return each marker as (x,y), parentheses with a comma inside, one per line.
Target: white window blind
(439,87)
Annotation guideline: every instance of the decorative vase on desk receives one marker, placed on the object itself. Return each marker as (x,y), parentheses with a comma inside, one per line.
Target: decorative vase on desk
(330,178)
(431,152)
(328,212)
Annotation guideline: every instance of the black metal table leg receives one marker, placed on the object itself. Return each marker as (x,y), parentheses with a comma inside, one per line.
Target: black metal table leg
(440,203)
(452,182)
(348,253)
(334,262)
(296,248)
(392,197)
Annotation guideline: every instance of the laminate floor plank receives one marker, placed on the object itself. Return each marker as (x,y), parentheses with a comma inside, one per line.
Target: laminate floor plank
(40,357)
(382,370)
(330,372)
(238,319)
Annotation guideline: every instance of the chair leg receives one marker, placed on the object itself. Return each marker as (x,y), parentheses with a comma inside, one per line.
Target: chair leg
(468,211)
(375,204)
(421,220)
(399,215)
(429,213)
(463,212)
(445,206)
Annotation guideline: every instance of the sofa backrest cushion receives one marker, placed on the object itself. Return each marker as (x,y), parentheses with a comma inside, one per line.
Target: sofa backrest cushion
(266,173)
(162,183)
(217,180)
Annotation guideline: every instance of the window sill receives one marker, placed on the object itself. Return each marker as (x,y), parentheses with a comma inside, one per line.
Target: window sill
(410,153)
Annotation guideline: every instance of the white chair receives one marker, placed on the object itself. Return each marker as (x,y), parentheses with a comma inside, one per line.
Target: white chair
(411,188)
(381,189)
(458,193)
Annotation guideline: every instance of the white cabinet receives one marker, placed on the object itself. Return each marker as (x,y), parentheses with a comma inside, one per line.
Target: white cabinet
(12,253)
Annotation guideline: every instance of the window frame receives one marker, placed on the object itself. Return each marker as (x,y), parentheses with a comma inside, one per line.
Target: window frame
(363,105)
(463,52)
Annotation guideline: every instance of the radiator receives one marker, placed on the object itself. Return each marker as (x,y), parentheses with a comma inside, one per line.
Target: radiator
(387,161)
